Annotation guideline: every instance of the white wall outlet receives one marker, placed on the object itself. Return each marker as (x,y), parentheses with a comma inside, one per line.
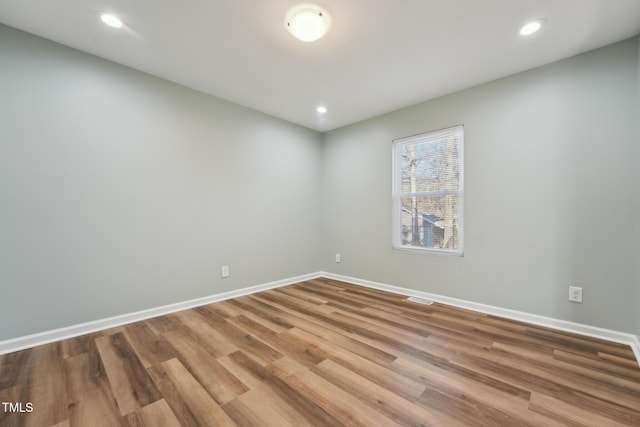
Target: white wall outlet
(225,271)
(575,294)
(338,258)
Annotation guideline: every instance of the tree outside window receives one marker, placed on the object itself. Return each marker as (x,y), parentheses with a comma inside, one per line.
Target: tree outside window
(428,191)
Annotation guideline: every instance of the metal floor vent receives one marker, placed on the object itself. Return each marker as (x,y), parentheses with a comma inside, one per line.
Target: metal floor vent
(420,300)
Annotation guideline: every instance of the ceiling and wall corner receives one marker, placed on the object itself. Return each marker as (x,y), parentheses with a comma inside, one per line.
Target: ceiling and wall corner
(379,55)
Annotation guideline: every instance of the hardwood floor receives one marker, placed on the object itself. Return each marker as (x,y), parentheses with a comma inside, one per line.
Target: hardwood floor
(323,353)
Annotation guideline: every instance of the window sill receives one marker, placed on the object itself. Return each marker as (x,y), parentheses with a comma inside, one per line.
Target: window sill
(428,251)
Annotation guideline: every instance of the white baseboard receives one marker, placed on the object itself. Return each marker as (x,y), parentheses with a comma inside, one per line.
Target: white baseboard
(563,325)
(21,343)
(635,346)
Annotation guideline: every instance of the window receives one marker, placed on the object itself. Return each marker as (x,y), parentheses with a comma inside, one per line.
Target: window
(428,190)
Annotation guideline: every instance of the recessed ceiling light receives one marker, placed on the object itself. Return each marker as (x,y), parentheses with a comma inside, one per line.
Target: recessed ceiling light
(308,22)
(532,27)
(321,109)
(111,20)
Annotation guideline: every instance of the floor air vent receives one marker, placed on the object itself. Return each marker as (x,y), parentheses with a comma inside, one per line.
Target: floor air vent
(420,300)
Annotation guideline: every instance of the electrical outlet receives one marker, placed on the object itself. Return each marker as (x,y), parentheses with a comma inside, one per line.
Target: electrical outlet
(225,271)
(575,294)
(338,258)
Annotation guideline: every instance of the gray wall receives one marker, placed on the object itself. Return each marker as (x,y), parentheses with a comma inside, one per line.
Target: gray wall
(551,181)
(120,191)
(638,217)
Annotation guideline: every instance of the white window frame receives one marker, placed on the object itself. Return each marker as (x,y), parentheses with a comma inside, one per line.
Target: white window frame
(398,194)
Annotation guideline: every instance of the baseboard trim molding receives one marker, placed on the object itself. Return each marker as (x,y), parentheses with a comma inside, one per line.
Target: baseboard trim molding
(46,337)
(28,341)
(635,346)
(563,325)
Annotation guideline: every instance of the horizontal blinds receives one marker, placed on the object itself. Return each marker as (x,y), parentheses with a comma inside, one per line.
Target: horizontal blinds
(428,191)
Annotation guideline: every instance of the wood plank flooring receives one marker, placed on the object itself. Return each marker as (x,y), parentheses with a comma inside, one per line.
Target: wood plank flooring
(323,353)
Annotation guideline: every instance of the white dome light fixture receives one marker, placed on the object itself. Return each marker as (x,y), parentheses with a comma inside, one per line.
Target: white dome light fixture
(532,27)
(111,20)
(308,22)
(322,109)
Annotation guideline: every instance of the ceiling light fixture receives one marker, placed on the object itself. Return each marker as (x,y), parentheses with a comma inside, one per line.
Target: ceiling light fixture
(308,22)
(532,27)
(321,109)
(111,20)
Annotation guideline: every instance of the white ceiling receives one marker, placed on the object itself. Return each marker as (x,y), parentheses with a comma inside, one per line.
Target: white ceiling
(379,56)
